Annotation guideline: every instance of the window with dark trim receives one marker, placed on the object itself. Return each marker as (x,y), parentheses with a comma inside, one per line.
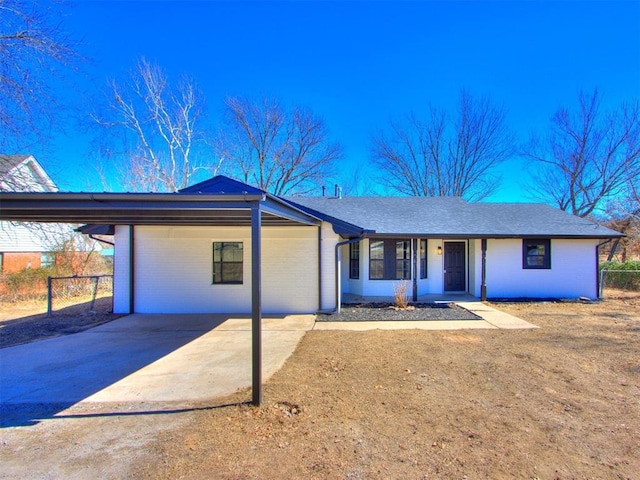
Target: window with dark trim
(536,253)
(389,259)
(423,258)
(227,262)
(354,260)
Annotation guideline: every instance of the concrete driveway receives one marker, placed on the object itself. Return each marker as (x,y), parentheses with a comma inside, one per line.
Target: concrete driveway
(144,358)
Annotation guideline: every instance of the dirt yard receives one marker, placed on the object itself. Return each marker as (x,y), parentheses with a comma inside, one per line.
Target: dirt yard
(558,402)
(27,321)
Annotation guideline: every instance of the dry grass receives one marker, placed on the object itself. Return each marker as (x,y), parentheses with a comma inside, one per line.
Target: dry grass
(559,402)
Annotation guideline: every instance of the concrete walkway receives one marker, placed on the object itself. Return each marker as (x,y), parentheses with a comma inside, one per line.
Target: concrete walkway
(490,318)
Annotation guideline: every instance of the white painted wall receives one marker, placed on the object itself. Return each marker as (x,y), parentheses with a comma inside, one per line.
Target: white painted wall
(173,270)
(475,266)
(121,270)
(329,239)
(572,273)
(384,288)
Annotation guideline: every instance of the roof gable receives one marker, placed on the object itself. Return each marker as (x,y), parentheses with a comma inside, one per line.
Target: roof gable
(221,185)
(23,173)
(8,162)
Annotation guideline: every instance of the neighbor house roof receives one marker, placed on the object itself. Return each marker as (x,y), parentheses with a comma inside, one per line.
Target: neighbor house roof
(24,173)
(453,217)
(9,162)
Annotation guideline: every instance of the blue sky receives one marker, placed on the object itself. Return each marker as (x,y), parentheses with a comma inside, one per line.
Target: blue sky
(358,64)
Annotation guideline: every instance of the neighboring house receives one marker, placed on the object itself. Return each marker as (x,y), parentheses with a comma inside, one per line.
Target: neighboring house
(201,250)
(22,245)
(30,245)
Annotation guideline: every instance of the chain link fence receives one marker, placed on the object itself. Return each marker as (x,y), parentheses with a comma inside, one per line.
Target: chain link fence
(621,280)
(79,294)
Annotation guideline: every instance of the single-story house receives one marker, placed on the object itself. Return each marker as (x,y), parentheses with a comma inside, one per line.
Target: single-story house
(23,246)
(225,246)
(28,245)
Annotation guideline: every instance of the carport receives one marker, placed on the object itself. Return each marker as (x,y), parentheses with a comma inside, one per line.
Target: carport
(214,202)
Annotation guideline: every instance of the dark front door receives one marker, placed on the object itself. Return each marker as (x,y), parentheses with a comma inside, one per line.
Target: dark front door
(454,267)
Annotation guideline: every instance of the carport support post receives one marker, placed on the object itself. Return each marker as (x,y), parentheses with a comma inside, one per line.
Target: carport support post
(256,305)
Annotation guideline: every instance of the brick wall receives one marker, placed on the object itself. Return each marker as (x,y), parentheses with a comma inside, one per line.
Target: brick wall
(13,262)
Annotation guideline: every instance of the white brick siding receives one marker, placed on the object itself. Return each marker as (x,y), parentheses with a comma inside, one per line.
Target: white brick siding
(173,270)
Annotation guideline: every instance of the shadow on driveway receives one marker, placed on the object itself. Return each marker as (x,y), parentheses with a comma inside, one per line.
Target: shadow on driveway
(140,358)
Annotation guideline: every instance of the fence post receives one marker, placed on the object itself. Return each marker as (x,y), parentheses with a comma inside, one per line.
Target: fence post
(49,297)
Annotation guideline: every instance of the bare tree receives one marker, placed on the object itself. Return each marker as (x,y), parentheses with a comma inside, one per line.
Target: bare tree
(445,155)
(154,131)
(588,157)
(281,151)
(34,50)
(359,182)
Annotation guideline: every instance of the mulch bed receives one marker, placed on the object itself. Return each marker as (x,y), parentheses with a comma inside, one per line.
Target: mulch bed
(381,312)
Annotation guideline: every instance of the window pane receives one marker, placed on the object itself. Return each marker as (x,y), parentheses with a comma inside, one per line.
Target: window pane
(423,258)
(232,272)
(227,262)
(354,260)
(376,269)
(402,269)
(376,250)
(535,261)
(536,253)
(402,249)
(354,269)
(232,252)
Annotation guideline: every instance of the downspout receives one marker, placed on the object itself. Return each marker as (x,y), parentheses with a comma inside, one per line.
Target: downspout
(598,286)
(337,255)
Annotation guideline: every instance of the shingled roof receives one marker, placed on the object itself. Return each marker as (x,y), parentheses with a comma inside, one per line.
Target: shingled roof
(446,217)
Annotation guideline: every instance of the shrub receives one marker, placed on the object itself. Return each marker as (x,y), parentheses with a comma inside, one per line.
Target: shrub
(30,283)
(400,296)
(627,279)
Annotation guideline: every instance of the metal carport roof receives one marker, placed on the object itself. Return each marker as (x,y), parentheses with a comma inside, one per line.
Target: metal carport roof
(231,204)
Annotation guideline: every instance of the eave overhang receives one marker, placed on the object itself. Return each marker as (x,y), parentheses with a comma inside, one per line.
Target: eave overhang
(480,236)
(149,209)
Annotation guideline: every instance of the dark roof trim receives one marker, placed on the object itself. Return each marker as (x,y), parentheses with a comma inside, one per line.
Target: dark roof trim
(97,229)
(149,197)
(480,236)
